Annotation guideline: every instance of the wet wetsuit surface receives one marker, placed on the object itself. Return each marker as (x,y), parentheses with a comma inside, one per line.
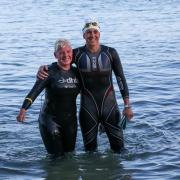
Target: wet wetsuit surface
(57,119)
(98,102)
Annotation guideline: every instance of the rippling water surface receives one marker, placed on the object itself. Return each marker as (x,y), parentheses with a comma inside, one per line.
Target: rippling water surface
(146,34)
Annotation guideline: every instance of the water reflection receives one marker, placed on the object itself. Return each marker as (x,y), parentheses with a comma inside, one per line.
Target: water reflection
(85,167)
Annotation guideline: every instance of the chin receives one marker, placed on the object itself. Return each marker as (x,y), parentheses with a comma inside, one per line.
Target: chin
(68,63)
(93,42)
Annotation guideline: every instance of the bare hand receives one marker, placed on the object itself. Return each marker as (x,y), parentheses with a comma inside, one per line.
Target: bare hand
(42,72)
(22,115)
(128,113)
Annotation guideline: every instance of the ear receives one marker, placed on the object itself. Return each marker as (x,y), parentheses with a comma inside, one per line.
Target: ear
(55,55)
(84,35)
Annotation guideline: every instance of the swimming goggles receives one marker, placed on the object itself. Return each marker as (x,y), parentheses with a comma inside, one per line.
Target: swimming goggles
(91,24)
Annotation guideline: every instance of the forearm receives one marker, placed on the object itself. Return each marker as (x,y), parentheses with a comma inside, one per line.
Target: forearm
(121,81)
(32,95)
(27,103)
(120,77)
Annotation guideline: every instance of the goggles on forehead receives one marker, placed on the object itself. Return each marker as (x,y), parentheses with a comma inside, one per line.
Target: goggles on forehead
(90,25)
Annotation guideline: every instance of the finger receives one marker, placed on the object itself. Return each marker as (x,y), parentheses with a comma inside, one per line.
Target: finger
(19,120)
(22,119)
(46,68)
(130,117)
(41,68)
(43,75)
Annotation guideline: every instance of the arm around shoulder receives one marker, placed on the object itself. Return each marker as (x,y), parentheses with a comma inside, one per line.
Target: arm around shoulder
(42,72)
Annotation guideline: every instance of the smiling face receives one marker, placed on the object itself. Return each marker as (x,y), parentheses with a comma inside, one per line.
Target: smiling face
(92,37)
(64,56)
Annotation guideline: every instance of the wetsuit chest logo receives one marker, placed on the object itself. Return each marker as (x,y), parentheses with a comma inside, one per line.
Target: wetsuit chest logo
(94,63)
(87,64)
(67,82)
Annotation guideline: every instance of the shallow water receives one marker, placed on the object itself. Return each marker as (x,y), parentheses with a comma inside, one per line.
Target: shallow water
(146,35)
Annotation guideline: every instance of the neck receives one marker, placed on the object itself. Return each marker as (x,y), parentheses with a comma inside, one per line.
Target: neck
(66,67)
(93,49)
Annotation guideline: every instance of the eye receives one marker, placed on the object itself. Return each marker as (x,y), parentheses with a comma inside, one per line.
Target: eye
(95,31)
(88,31)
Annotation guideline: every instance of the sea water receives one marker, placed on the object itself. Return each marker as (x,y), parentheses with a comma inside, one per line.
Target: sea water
(146,34)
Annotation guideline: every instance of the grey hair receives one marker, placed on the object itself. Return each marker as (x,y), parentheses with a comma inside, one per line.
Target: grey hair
(60,43)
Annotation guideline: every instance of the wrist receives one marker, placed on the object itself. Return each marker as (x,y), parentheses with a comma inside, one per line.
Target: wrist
(23,110)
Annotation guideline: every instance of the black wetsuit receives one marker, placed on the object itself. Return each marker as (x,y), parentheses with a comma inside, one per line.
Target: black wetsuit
(98,102)
(57,119)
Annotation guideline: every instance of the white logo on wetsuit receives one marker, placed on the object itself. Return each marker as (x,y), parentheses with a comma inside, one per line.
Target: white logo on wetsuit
(68,80)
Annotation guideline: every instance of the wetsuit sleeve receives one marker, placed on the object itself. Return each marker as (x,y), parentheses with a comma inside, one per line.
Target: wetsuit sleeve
(79,82)
(118,71)
(77,53)
(34,92)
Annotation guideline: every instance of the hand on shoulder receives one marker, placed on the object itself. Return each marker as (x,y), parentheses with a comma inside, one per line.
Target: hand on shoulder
(42,72)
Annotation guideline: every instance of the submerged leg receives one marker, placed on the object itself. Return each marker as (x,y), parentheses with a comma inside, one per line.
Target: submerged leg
(52,137)
(114,131)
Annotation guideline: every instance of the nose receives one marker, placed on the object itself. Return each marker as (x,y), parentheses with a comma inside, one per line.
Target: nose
(65,54)
(92,33)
